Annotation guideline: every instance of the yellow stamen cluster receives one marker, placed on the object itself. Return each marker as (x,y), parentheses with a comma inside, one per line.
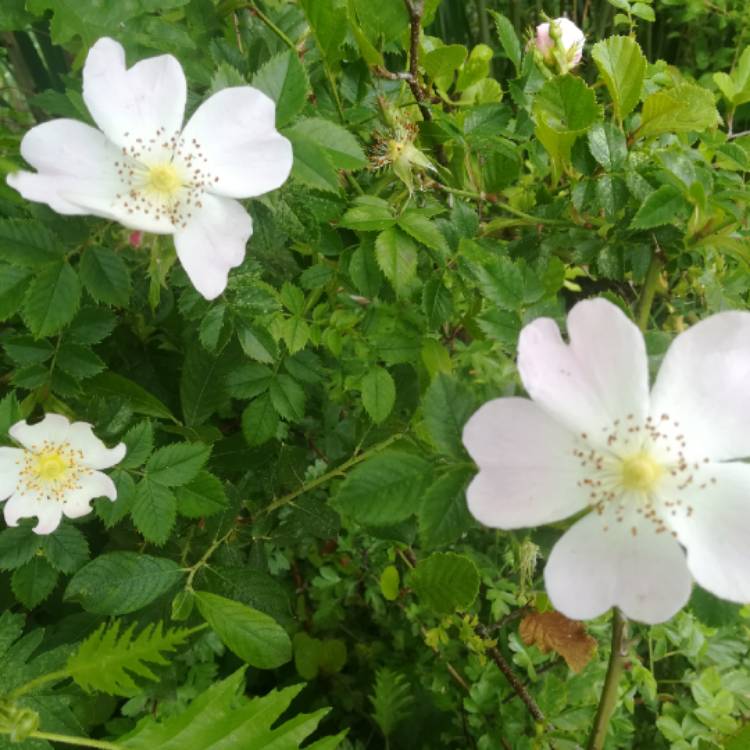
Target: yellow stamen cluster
(51,471)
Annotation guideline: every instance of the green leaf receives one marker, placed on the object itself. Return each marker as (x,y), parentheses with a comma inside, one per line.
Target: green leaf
(254,636)
(296,333)
(257,343)
(52,299)
(107,660)
(13,285)
(18,545)
(28,243)
(26,350)
(288,398)
(378,393)
(396,254)
(66,548)
(392,700)
(384,21)
(284,79)
(327,19)
(139,440)
(117,583)
(714,612)
(177,464)
(643,11)
(663,206)
(445,582)
(506,33)
(111,513)
(368,213)
(385,489)
(682,109)
(78,361)
(212,326)
(423,230)
(500,163)
(10,413)
(622,66)
(608,146)
(441,63)
(447,406)
(260,420)
(338,144)
(203,496)
(33,582)
(112,385)
(222,717)
(248,380)
(91,325)
(200,391)
(105,276)
(390,583)
(443,515)
(437,303)
(154,510)
(566,105)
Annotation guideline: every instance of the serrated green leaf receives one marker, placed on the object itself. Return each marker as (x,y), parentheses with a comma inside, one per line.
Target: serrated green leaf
(139,441)
(111,513)
(335,141)
(368,213)
(203,496)
(248,380)
(445,582)
(443,515)
(13,285)
(622,66)
(105,661)
(566,105)
(91,325)
(378,393)
(296,333)
(106,276)
(200,391)
(437,303)
(385,489)
(506,33)
(327,19)
(25,350)
(110,384)
(51,299)
(154,510)
(284,79)
(17,546)
(288,398)
(66,549)
(663,206)
(423,230)
(447,405)
(117,583)
(211,327)
(396,255)
(33,582)
(608,146)
(28,243)
(177,464)
(682,109)
(78,361)
(257,343)
(254,636)
(260,420)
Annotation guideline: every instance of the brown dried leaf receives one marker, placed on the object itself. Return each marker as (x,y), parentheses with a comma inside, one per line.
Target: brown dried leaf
(553,631)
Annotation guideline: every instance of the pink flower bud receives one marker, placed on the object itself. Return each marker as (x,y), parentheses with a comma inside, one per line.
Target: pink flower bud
(563,34)
(134,239)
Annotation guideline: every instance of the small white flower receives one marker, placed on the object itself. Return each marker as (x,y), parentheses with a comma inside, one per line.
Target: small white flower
(569,37)
(144,170)
(56,472)
(654,472)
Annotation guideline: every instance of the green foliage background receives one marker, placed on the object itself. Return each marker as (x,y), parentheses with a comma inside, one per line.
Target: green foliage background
(290,537)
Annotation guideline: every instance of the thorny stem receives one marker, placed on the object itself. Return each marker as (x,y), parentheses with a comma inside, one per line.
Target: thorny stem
(415,9)
(649,290)
(337,471)
(608,699)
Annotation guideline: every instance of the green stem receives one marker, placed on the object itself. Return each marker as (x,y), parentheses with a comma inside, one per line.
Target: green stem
(206,557)
(69,740)
(608,699)
(61,674)
(649,291)
(335,472)
(271,25)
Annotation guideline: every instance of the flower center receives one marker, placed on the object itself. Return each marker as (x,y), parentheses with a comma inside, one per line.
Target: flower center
(50,466)
(640,472)
(164,179)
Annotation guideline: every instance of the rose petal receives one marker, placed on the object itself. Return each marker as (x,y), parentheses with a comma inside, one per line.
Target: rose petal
(213,243)
(77,502)
(235,130)
(11,462)
(601,376)
(48,512)
(53,428)
(703,385)
(134,103)
(96,455)
(713,523)
(590,570)
(528,474)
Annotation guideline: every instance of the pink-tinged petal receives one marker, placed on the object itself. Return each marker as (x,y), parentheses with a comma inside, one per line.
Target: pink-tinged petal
(11,462)
(53,428)
(703,385)
(528,474)
(713,523)
(213,243)
(600,377)
(47,512)
(235,131)
(644,573)
(95,455)
(73,161)
(77,502)
(147,101)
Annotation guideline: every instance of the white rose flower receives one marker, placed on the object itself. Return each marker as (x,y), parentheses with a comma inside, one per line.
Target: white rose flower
(56,473)
(144,170)
(570,38)
(653,473)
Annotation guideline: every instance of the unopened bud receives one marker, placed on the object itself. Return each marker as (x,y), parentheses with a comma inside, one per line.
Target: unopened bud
(560,41)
